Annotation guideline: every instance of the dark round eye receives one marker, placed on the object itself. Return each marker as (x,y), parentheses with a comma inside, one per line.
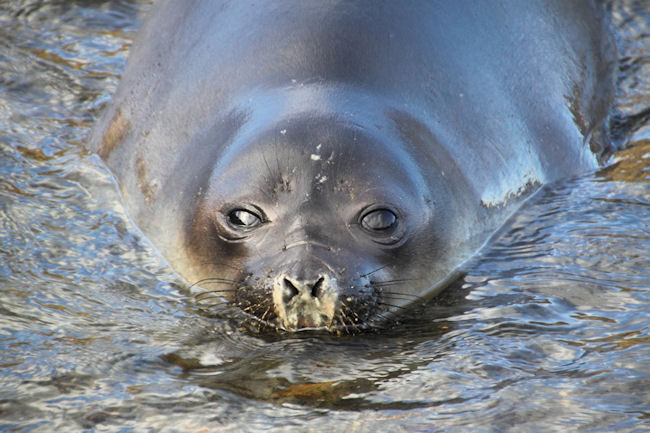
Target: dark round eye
(243,219)
(379,220)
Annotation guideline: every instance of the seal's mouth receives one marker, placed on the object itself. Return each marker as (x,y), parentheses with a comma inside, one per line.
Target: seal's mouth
(283,303)
(298,306)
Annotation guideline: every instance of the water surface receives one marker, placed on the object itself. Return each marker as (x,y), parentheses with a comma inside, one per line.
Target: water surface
(548,331)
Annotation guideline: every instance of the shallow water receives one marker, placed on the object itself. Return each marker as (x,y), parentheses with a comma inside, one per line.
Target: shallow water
(548,331)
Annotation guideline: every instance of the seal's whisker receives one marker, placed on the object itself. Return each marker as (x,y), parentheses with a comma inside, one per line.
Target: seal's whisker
(264,192)
(400,300)
(395,281)
(210,306)
(388,284)
(274,178)
(249,309)
(341,326)
(372,272)
(213,281)
(394,306)
(276,153)
(387,320)
(208,297)
(352,322)
(227,289)
(402,295)
(348,327)
(260,322)
(212,294)
(342,313)
(263,316)
(268,167)
(227,265)
(406,298)
(213,302)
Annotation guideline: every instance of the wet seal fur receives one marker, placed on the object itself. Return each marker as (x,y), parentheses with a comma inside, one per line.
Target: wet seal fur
(322,164)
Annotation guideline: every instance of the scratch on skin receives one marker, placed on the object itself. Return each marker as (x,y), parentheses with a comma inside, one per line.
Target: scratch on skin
(116,132)
(147,189)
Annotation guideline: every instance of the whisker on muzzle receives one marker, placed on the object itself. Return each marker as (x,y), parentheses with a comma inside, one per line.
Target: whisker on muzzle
(212,294)
(213,281)
(394,306)
(402,295)
(393,282)
(227,265)
(372,272)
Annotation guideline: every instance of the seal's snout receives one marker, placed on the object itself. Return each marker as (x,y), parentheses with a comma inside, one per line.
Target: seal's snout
(293,288)
(305,304)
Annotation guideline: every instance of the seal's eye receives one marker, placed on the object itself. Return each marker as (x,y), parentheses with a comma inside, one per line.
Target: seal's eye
(243,219)
(379,220)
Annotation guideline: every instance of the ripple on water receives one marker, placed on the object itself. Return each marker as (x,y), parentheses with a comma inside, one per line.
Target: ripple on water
(548,331)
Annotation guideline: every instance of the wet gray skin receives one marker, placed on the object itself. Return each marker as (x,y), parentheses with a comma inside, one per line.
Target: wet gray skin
(323,164)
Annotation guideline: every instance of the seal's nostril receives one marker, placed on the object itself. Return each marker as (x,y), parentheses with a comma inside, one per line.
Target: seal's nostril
(290,290)
(317,288)
(305,303)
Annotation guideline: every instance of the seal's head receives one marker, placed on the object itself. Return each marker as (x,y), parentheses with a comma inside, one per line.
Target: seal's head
(314,224)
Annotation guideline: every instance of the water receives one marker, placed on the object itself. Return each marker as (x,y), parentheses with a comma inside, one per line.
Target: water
(548,331)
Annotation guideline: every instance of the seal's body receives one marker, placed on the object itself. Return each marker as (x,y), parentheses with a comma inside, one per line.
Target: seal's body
(321,162)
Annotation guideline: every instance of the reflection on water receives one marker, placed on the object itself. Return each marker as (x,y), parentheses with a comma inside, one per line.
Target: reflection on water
(548,331)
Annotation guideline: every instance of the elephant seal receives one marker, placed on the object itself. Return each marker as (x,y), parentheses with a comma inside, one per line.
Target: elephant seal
(323,163)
